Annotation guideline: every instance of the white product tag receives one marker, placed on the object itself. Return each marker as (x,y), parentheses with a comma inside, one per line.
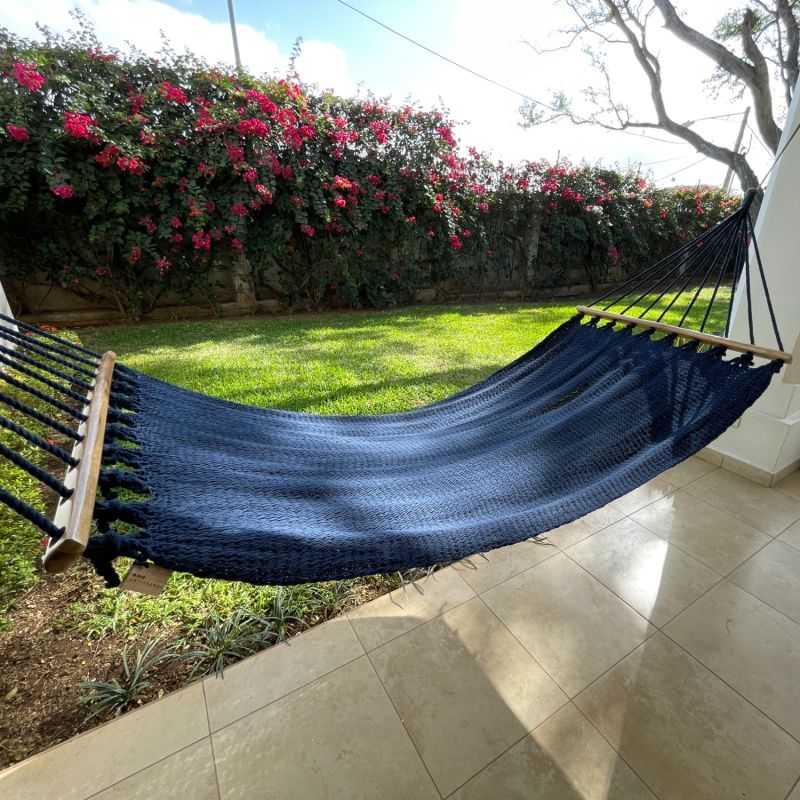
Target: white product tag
(148,579)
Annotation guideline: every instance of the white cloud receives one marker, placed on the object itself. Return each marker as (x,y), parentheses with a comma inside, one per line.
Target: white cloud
(141,22)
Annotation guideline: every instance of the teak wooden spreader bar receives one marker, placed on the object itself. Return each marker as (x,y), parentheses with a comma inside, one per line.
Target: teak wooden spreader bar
(74,513)
(705,338)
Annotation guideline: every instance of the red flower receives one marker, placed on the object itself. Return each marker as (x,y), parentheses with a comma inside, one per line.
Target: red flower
(18,134)
(177,238)
(239,209)
(236,244)
(374,180)
(105,158)
(412,219)
(663,213)
(340,201)
(101,273)
(135,254)
(27,76)
(455,241)
(173,93)
(307,230)
(253,127)
(163,264)
(78,126)
(147,137)
(201,240)
(62,190)
(613,253)
(176,222)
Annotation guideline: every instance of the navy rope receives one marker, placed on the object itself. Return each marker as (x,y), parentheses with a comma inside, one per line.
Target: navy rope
(33,438)
(20,340)
(764,285)
(65,390)
(41,475)
(67,409)
(47,335)
(31,514)
(39,417)
(45,368)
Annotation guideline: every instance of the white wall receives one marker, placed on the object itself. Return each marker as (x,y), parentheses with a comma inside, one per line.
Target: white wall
(766,443)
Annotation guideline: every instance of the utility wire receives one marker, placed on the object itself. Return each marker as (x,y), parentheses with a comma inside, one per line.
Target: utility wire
(492,80)
(682,169)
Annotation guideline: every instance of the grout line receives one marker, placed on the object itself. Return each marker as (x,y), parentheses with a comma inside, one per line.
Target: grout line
(616,750)
(792,788)
(211,740)
(142,769)
(403,724)
(510,747)
(732,688)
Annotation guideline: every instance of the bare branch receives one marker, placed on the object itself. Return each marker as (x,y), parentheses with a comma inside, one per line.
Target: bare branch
(791,61)
(754,75)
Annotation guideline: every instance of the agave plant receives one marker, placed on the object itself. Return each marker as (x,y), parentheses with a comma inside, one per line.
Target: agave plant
(223,640)
(113,697)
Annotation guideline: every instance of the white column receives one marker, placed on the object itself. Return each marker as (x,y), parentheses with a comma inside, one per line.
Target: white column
(765,444)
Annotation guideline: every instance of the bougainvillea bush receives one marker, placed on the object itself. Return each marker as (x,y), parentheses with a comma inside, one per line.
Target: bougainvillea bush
(128,177)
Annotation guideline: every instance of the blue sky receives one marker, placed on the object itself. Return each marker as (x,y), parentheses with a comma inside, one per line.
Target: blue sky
(343,51)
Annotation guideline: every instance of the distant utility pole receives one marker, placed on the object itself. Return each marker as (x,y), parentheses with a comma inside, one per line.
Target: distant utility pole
(232,19)
(726,184)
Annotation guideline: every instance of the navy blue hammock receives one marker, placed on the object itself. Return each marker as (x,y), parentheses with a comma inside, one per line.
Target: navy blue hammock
(605,403)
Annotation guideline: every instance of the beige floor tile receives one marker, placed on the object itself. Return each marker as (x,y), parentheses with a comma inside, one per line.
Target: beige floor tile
(565,758)
(686,733)
(505,562)
(773,575)
(750,646)
(106,755)
(791,535)
(790,485)
(187,775)
(767,509)
(795,795)
(266,676)
(574,532)
(574,626)
(716,539)
(648,573)
(465,689)
(687,471)
(647,493)
(336,737)
(408,607)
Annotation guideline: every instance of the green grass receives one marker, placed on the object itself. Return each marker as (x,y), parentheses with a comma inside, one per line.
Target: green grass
(336,363)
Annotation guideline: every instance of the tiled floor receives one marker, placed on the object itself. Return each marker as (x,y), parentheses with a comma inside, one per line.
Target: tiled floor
(649,650)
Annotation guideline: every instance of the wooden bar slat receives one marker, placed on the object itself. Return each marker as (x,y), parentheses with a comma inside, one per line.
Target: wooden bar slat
(706,338)
(75,513)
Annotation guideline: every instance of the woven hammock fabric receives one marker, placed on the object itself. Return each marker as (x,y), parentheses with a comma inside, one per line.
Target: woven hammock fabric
(278,497)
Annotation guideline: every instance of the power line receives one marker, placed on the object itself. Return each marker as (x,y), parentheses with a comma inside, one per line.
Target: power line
(682,169)
(665,160)
(492,81)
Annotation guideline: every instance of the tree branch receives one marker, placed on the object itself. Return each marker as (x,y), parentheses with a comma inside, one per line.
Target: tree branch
(649,64)
(791,61)
(755,76)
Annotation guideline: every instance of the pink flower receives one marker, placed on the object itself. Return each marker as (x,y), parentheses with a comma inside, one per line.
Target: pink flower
(340,201)
(250,176)
(133,165)
(613,253)
(101,273)
(62,190)
(236,244)
(201,240)
(27,76)
(374,180)
(105,158)
(176,237)
(135,254)
(78,126)
(173,93)
(239,209)
(641,183)
(163,264)
(455,241)
(411,220)
(663,213)
(147,137)
(18,134)
(176,222)
(307,230)
(148,224)
(394,276)
(484,206)
(253,127)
